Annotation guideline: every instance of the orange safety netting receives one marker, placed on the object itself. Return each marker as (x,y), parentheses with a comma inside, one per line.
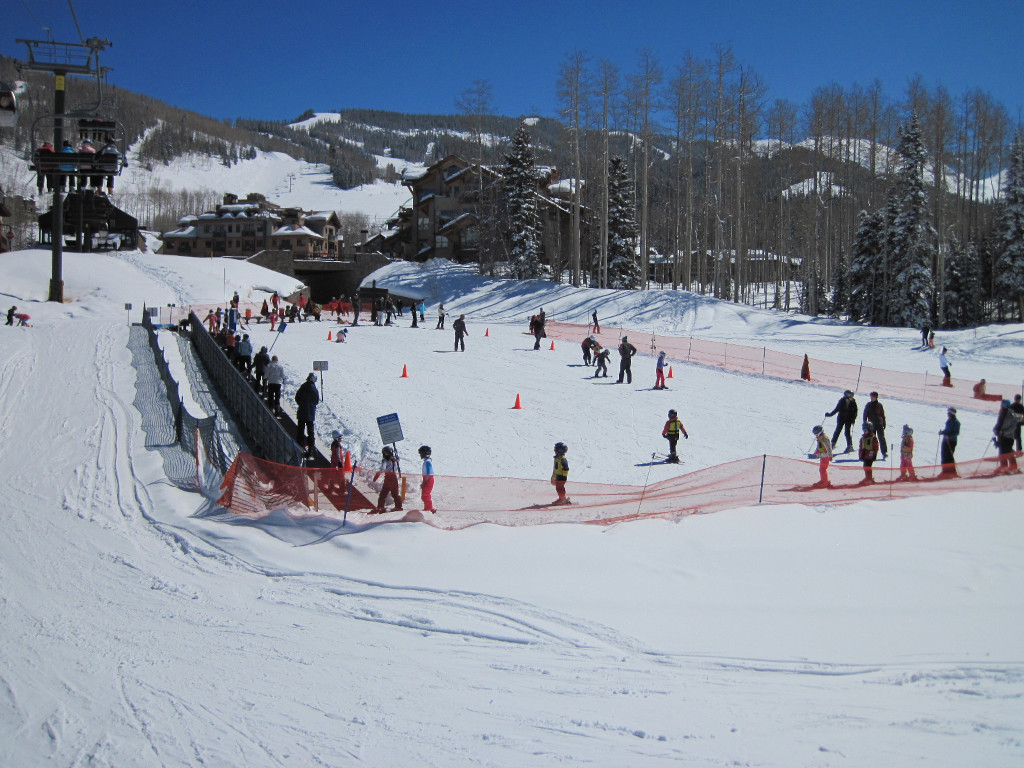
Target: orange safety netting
(922,387)
(256,489)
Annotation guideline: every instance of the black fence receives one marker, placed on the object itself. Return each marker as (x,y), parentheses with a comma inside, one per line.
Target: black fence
(266,435)
(186,425)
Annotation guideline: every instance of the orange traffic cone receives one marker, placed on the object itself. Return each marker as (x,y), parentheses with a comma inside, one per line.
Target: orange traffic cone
(405,372)
(328,335)
(518,406)
(552,345)
(487,332)
(670,372)
(348,462)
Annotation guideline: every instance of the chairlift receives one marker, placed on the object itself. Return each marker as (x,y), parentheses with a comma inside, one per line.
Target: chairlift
(9,103)
(96,157)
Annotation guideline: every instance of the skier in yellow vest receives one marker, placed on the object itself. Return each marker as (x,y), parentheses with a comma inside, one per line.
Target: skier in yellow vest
(673,427)
(560,473)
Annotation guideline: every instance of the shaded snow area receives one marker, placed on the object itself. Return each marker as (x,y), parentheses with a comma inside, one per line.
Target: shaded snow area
(134,631)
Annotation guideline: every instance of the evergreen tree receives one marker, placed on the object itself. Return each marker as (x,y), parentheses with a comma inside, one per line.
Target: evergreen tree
(864,278)
(623,268)
(1009,233)
(912,237)
(964,299)
(520,188)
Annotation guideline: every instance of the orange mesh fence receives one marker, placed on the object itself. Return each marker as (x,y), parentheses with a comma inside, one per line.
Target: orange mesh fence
(256,488)
(922,387)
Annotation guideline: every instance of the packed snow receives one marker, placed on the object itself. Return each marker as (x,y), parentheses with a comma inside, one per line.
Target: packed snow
(136,631)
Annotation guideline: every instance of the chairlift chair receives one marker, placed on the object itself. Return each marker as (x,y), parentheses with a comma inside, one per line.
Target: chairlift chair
(80,169)
(9,103)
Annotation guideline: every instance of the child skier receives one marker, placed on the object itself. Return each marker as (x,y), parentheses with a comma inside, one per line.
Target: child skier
(671,433)
(560,473)
(659,376)
(390,469)
(427,482)
(907,455)
(337,455)
(601,356)
(868,451)
(823,452)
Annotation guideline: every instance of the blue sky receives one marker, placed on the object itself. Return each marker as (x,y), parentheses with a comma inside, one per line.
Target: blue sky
(259,59)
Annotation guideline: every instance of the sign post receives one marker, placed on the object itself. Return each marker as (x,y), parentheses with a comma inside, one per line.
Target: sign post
(320,365)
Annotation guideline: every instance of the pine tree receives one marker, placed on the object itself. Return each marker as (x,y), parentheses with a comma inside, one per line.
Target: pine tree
(864,278)
(964,299)
(520,190)
(912,237)
(1009,233)
(623,269)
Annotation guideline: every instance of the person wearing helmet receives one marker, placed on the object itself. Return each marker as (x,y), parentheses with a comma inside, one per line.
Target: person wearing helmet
(427,481)
(868,451)
(823,453)
(846,416)
(673,427)
(659,372)
(390,469)
(601,355)
(950,434)
(907,454)
(337,455)
(874,414)
(560,473)
(1003,433)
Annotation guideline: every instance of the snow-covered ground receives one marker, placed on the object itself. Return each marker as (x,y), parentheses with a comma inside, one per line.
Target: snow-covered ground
(134,633)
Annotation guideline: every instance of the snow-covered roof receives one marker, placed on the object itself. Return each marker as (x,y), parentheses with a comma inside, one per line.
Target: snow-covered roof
(283,231)
(182,232)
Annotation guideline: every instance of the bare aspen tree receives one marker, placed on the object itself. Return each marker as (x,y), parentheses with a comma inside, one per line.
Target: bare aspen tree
(572,92)
(607,89)
(688,88)
(645,82)
(475,103)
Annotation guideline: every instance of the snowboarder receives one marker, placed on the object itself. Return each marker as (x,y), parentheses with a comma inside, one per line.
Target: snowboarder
(390,469)
(907,455)
(671,432)
(459,326)
(944,365)
(601,357)
(823,453)
(275,380)
(427,481)
(950,433)
(846,416)
(626,352)
(868,451)
(560,473)
(659,375)
(874,414)
(306,398)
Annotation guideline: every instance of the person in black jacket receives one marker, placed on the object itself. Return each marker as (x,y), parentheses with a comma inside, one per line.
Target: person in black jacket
(459,326)
(874,414)
(626,352)
(846,416)
(307,398)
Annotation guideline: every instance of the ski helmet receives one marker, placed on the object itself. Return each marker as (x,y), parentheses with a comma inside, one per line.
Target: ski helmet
(907,430)
(561,449)
(336,434)
(387,453)
(672,413)
(869,427)
(424,451)
(817,429)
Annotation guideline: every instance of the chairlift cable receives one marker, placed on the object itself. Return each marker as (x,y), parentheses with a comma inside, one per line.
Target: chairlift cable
(71,6)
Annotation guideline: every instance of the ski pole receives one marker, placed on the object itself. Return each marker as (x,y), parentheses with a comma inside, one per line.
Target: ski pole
(646,481)
(982,460)
(348,497)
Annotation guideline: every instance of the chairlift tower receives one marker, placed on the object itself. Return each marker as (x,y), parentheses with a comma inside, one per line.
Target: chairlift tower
(61,60)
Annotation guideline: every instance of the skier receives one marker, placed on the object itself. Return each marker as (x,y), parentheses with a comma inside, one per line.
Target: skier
(390,469)
(626,352)
(307,398)
(560,473)
(823,452)
(537,329)
(907,455)
(427,481)
(602,361)
(10,315)
(659,376)
(671,433)
(211,321)
(440,317)
(868,451)
(337,454)
(275,380)
(459,326)
(944,365)
(950,433)
(597,326)
(874,414)
(1006,424)
(588,345)
(846,416)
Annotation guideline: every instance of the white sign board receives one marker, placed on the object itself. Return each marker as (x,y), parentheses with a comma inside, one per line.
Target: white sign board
(319,365)
(390,428)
